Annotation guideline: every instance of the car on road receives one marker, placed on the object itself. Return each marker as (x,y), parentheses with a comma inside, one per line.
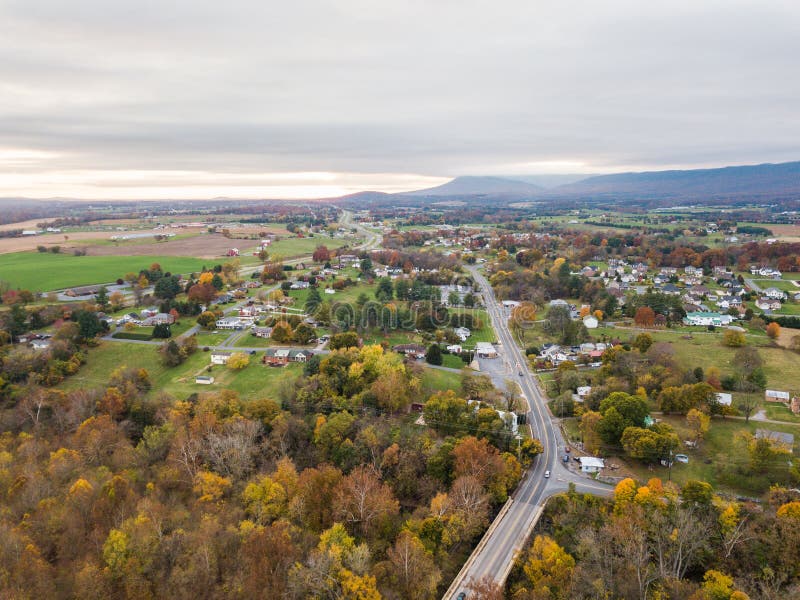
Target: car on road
(565,458)
(547,474)
(461,596)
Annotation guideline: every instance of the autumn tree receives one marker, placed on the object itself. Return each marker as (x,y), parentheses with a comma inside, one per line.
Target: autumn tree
(644,317)
(238,361)
(363,501)
(548,569)
(773,330)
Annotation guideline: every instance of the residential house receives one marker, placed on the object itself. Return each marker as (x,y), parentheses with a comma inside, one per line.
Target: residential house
(159,319)
(582,393)
(707,318)
(774,293)
(768,304)
(230,323)
(411,350)
(261,332)
(463,333)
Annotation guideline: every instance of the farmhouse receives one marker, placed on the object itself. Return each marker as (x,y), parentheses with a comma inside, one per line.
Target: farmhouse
(219,357)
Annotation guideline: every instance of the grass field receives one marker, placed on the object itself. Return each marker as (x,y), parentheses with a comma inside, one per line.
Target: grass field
(254,381)
(37,271)
(436,380)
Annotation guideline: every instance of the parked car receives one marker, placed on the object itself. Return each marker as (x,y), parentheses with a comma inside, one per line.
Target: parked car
(682,458)
(566,458)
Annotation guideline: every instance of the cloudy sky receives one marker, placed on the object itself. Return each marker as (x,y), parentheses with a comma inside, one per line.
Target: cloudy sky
(251,99)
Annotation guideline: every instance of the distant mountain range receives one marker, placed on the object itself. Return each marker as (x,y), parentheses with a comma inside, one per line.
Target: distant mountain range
(473,185)
(778,181)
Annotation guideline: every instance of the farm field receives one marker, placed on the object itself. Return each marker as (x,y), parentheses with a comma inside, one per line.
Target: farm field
(293,247)
(44,271)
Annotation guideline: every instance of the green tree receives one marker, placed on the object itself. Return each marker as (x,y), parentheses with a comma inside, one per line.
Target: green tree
(348,339)
(434,355)
(384,293)
(313,300)
(102,297)
(207,320)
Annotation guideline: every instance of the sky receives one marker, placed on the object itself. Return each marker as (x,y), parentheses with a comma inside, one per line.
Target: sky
(303,99)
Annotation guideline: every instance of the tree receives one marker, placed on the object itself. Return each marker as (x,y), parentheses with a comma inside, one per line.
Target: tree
(434,355)
(363,501)
(411,569)
(304,334)
(348,339)
(589,427)
(384,292)
(207,320)
(773,330)
(167,288)
(698,424)
(321,254)
(162,331)
(643,342)
(313,300)
(733,338)
(747,405)
(238,361)
(265,499)
(102,297)
(282,332)
(548,569)
(644,317)
(89,324)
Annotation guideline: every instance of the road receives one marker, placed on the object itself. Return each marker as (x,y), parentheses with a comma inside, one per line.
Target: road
(495,554)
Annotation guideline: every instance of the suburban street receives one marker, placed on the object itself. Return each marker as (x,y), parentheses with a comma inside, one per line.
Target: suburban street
(495,554)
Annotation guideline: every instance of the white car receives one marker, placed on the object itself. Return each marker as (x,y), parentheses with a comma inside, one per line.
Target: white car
(682,458)
(547,474)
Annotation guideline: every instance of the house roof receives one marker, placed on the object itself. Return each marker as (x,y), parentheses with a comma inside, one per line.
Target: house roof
(592,461)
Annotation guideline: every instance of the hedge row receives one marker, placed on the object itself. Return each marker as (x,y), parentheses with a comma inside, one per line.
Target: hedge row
(125,335)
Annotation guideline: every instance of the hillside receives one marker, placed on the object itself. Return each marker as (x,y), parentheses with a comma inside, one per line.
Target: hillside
(474,186)
(756,180)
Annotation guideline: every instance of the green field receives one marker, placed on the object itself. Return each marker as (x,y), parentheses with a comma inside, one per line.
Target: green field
(436,380)
(255,381)
(37,271)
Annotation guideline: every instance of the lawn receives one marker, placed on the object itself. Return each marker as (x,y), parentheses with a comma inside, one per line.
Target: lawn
(436,380)
(717,451)
(37,271)
(254,381)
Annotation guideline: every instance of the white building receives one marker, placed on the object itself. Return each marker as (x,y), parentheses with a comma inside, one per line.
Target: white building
(591,464)
(724,399)
(485,350)
(590,322)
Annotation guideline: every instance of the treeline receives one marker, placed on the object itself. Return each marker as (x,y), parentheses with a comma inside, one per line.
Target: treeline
(322,487)
(661,541)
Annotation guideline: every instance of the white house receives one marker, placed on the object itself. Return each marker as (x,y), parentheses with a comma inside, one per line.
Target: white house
(220,358)
(768,304)
(774,293)
(590,322)
(707,318)
(591,464)
(463,333)
(455,349)
(229,323)
(583,392)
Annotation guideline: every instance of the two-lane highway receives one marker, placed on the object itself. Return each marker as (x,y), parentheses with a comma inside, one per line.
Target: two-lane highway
(495,554)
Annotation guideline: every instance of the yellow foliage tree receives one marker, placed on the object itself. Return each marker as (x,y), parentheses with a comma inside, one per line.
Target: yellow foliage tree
(548,569)
(238,361)
(210,487)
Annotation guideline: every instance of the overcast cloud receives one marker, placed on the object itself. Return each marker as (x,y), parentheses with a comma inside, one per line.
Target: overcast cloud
(308,98)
